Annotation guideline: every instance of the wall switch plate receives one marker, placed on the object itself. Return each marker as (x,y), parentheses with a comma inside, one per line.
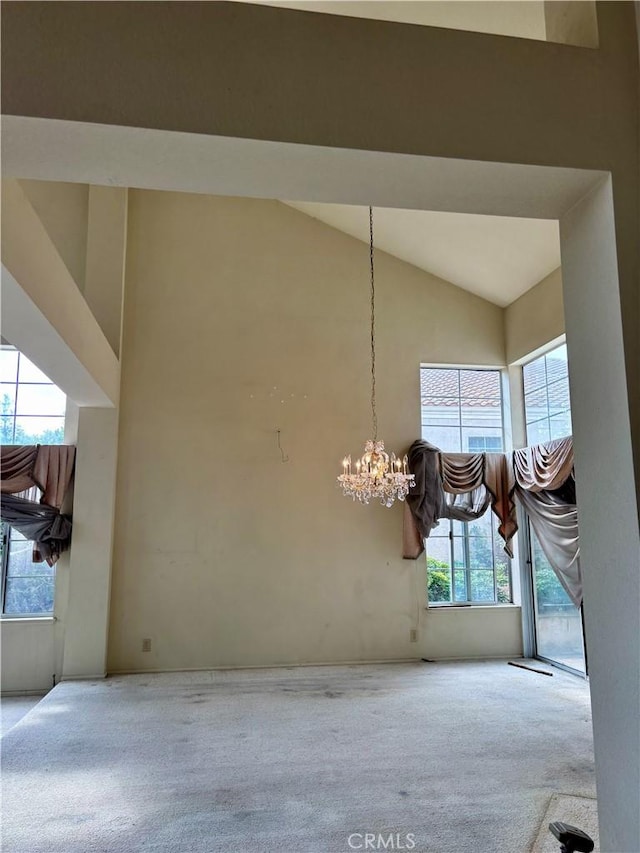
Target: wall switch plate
(413,635)
(146,645)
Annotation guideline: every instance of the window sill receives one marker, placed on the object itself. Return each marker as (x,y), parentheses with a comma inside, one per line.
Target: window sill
(477,606)
(7,619)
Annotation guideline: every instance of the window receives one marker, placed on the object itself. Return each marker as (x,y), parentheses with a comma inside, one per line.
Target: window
(32,407)
(27,587)
(485,444)
(462,411)
(546,397)
(32,412)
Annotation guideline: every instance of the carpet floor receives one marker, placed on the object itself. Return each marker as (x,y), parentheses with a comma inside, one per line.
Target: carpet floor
(14,708)
(577,811)
(444,757)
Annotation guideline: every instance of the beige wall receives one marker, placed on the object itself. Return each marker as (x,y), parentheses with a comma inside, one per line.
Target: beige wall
(571,23)
(531,324)
(473,632)
(44,313)
(28,655)
(63,209)
(535,319)
(106,249)
(225,555)
(548,108)
(87,606)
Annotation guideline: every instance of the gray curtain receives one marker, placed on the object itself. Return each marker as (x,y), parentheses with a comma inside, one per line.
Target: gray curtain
(546,489)
(44,525)
(556,525)
(459,486)
(467,506)
(425,502)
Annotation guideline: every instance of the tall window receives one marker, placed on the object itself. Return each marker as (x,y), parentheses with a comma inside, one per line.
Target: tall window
(546,397)
(558,621)
(32,412)
(462,411)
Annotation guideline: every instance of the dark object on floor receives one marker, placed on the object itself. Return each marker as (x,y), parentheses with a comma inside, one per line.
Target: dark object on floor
(531,668)
(572,839)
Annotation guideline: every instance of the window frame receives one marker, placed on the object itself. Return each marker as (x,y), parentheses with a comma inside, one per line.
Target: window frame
(5,562)
(7,542)
(451,535)
(16,384)
(547,417)
(5,533)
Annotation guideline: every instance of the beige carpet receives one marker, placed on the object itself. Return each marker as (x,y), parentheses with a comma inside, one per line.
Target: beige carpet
(462,757)
(581,812)
(14,708)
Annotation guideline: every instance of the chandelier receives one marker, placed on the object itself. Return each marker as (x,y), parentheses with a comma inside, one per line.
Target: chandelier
(376,474)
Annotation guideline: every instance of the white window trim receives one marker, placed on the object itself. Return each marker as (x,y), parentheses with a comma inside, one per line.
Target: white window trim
(507,448)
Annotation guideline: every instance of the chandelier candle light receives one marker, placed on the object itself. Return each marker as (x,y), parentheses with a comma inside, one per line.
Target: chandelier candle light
(376,475)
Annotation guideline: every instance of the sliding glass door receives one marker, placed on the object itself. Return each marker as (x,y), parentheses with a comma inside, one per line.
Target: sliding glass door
(559,636)
(558,622)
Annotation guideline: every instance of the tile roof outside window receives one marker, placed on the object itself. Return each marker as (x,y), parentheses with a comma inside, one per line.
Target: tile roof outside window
(445,387)
(462,411)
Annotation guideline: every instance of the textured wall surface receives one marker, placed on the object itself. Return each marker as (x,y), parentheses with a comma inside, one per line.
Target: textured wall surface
(243,317)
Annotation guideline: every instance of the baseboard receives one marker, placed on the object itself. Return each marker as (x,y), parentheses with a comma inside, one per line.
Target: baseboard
(41,692)
(97,677)
(263,666)
(475,659)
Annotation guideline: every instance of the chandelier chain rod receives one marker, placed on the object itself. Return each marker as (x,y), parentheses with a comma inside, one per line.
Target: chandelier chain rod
(377,474)
(374,415)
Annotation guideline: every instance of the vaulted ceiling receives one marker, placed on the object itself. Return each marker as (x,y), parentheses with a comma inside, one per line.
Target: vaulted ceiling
(520,19)
(498,258)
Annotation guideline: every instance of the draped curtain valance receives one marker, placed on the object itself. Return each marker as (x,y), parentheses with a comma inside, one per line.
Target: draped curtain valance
(544,466)
(462,485)
(48,468)
(545,486)
(459,486)
(17,469)
(464,472)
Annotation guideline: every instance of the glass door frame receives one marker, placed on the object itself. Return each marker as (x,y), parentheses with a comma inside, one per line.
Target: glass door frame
(529,608)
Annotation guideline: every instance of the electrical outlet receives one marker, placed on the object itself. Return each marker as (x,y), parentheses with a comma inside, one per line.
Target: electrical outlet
(146,644)
(413,635)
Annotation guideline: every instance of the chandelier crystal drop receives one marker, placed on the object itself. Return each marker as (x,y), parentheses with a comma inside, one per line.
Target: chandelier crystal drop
(376,474)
